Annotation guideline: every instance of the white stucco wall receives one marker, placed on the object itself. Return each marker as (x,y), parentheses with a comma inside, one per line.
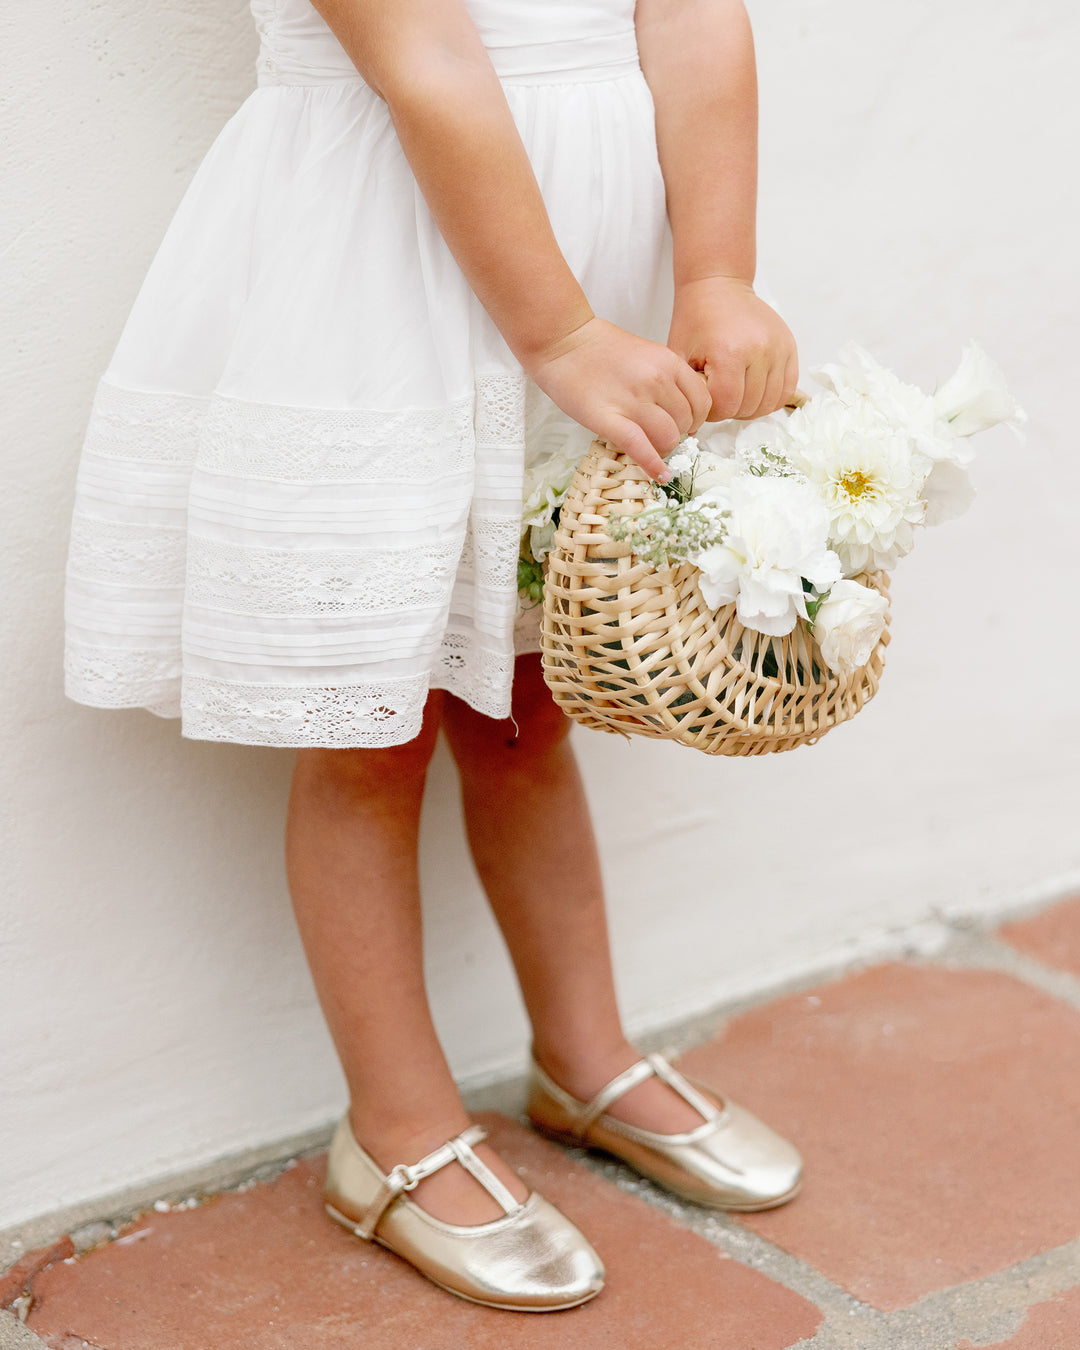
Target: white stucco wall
(156,1011)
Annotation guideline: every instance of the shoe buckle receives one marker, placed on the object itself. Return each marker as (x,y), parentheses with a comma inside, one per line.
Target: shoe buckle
(401,1178)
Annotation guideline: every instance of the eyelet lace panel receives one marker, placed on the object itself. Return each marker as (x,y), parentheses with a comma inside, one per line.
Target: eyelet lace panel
(372,714)
(116,551)
(325,445)
(168,604)
(122,677)
(251,580)
(155,428)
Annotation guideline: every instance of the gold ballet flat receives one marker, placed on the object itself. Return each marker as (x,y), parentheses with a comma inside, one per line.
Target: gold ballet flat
(533,1259)
(731,1160)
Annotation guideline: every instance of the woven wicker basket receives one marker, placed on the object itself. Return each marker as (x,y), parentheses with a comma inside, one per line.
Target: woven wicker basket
(631,648)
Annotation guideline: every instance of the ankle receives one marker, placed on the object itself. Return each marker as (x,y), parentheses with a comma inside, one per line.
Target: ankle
(584,1070)
(390,1142)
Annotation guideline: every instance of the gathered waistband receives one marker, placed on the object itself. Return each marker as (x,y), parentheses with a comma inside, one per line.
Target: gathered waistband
(572,60)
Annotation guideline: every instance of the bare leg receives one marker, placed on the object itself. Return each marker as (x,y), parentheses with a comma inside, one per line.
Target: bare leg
(351,846)
(533,845)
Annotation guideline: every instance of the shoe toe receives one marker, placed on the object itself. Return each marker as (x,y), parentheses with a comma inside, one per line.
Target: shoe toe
(548,1263)
(756,1166)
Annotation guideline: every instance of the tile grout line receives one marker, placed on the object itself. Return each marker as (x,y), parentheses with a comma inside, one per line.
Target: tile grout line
(976,948)
(15,1336)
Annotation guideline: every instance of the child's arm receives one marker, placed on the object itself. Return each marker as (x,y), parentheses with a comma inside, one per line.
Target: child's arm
(698,58)
(426,60)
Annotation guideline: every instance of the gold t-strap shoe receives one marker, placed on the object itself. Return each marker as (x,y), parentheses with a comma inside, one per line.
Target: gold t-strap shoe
(731,1160)
(533,1259)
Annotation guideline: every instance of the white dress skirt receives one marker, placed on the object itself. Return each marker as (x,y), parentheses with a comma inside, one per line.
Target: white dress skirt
(298,505)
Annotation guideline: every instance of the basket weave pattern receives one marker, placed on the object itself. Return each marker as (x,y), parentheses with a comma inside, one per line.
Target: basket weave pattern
(632,648)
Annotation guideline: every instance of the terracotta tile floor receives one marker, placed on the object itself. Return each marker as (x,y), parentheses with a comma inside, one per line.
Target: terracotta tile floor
(266,1269)
(1054,1325)
(937,1113)
(936,1106)
(1052,937)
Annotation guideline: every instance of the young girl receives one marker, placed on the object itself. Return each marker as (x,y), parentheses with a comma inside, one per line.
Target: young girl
(433,245)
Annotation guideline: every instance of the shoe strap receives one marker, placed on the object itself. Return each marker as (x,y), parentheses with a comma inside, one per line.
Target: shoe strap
(407,1176)
(637,1073)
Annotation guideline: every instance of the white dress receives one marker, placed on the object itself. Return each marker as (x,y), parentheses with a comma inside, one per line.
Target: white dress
(298,503)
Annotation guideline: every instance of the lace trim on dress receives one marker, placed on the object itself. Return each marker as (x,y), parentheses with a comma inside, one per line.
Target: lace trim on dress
(142,563)
(499,417)
(121,677)
(248,580)
(137,425)
(379,713)
(325,445)
(119,550)
(475,673)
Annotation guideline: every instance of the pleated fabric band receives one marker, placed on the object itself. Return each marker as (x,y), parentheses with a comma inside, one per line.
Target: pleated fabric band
(606,56)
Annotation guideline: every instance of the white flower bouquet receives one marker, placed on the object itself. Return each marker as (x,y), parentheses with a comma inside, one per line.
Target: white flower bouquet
(746,599)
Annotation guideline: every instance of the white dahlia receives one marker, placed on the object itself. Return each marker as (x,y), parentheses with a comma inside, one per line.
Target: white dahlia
(867,474)
(855,375)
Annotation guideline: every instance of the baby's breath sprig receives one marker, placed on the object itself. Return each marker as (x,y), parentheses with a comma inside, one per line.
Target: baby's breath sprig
(766,463)
(662,534)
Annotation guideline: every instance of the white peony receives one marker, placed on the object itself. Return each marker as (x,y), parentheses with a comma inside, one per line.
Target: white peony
(776,535)
(848,625)
(975,397)
(866,473)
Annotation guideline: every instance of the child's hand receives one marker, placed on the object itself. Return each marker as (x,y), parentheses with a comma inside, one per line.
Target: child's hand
(741,345)
(638,395)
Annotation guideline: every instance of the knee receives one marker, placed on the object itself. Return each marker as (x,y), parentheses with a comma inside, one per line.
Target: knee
(363,774)
(539,725)
(364,771)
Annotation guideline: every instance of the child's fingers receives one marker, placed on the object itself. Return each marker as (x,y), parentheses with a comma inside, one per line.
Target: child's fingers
(754,382)
(678,407)
(791,379)
(628,437)
(695,386)
(663,431)
(726,390)
(773,395)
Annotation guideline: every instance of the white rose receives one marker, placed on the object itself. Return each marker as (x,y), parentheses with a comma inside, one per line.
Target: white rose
(976,397)
(849,624)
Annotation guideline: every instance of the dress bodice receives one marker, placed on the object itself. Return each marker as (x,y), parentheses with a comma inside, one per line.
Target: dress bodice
(526,39)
